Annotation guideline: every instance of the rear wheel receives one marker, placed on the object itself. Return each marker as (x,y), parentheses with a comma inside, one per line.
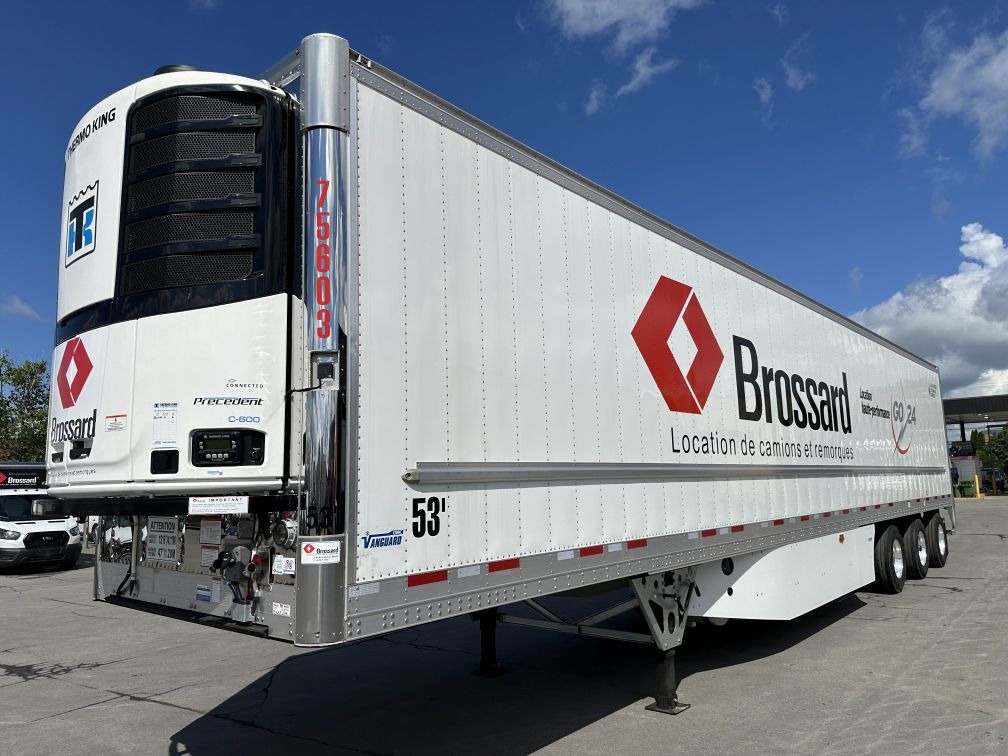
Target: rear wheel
(937,540)
(915,548)
(890,565)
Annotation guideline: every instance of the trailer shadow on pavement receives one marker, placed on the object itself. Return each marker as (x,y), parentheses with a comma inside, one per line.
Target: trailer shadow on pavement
(416,690)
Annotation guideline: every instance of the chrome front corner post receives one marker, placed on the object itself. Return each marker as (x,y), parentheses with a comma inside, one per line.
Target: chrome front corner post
(324,125)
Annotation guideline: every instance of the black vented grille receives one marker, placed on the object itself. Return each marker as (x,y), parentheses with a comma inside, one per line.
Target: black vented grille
(188,227)
(46,540)
(187,187)
(187,146)
(205,201)
(190,108)
(185,270)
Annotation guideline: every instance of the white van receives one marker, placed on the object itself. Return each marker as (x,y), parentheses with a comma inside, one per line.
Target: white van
(30,532)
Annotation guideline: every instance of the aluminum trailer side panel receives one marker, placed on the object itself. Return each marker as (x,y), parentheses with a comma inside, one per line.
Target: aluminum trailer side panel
(500,373)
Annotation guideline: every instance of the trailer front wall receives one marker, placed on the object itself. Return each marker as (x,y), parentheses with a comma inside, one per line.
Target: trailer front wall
(495,317)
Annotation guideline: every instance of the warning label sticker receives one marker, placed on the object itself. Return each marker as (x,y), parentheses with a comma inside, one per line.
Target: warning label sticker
(162,539)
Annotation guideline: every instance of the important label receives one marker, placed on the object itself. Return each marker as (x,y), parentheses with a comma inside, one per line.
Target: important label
(320,552)
(115,423)
(214,505)
(282,610)
(162,539)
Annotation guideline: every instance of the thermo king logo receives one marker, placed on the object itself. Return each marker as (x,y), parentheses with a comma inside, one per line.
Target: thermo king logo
(670,301)
(82,225)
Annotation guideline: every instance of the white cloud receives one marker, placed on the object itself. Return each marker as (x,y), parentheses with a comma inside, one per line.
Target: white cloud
(855,277)
(595,98)
(14,305)
(628,22)
(958,321)
(795,76)
(764,89)
(913,141)
(644,70)
(971,83)
(780,12)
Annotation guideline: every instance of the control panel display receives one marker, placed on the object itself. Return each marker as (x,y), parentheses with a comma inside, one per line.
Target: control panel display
(223,448)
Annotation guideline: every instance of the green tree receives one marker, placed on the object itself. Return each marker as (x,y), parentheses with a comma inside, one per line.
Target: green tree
(24,408)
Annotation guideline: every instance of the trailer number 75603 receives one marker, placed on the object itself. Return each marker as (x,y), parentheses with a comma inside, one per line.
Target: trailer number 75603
(427,511)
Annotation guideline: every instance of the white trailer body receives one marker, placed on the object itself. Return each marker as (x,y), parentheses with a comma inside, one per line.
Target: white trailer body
(464,375)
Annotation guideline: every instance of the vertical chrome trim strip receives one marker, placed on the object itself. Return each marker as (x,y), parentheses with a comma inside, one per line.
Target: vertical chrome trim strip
(324,86)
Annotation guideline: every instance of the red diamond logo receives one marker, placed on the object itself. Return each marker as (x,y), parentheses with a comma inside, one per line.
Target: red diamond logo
(2,477)
(669,301)
(308,548)
(74,354)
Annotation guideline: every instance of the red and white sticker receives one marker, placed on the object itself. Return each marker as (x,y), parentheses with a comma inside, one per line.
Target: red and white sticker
(320,552)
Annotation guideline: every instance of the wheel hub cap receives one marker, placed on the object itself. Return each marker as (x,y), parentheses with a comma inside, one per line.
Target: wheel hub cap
(897,558)
(942,546)
(922,549)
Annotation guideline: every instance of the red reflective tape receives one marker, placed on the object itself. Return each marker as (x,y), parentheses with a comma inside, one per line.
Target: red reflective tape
(846,511)
(737,528)
(707,533)
(504,564)
(424,578)
(778,522)
(827,514)
(637,543)
(591,550)
(863,508)
(804,518)
(878,506)
(890,503)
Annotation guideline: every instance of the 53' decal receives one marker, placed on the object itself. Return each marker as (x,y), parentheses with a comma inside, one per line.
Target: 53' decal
(427,513)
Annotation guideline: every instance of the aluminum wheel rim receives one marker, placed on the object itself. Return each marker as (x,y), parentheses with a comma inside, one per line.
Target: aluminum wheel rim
(897,559)
(942,546)
(922,557)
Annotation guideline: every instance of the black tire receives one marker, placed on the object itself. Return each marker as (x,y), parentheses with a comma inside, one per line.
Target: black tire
(890,571)
(915,549)
(937,540)
(68,564)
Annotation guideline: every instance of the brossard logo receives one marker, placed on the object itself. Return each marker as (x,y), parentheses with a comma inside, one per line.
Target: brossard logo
(764,393)
(74,369)
(75,357)
(82,224)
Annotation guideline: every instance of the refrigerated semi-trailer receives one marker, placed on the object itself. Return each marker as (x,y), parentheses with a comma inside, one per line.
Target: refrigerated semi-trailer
(351,360)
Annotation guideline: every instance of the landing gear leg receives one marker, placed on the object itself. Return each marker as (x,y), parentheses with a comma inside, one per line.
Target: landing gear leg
(488,642)
(666,699)
(664,601)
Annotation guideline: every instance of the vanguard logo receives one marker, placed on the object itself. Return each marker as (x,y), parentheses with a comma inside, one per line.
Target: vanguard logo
(81,230)
(377,540)
(670,301)
(75,355)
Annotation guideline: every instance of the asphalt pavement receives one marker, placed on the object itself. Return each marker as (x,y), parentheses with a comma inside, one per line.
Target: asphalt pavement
(923,671)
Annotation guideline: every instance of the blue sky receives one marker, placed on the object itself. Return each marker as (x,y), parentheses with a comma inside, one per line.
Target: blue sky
(857,151)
